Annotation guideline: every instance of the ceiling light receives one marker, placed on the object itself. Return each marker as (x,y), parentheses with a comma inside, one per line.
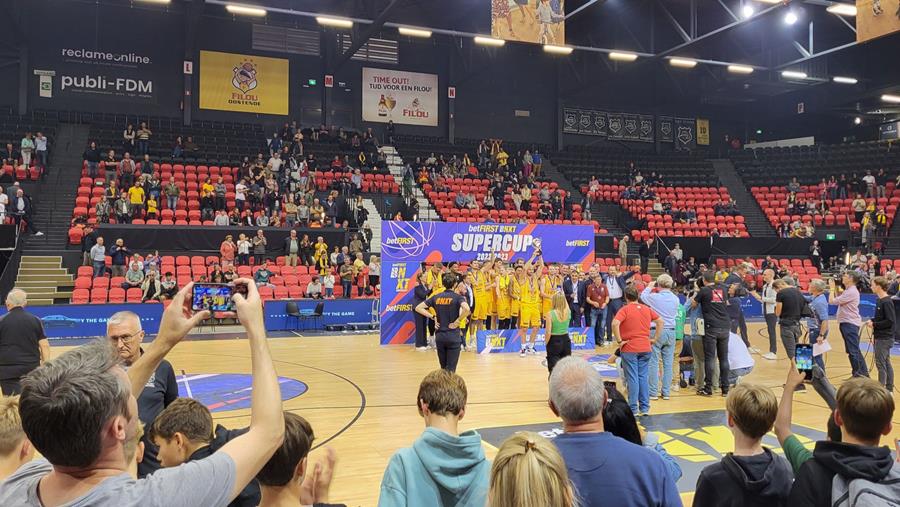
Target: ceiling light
(156,1)
(771,1)
(740,69)
(489,41)
(560,50)
(842,9)
(793,74)
(844,80)
(414,32)
(748,11)
(334,22)
(245,10)
(622,56)
(684,63)
(857,120)
(790,18)
(895,99)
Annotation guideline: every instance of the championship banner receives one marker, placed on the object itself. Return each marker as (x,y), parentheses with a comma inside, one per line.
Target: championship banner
(244,83)
(702,132)
(630,125)
(571,118)
(510,340)
(685,133)
(536,21)
(665,127)
(406,245)
(645,127)
(876,18)
(588,122)
(409,98)
(615,125)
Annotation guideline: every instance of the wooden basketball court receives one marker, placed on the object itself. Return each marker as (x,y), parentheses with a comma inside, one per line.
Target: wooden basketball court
(360,398)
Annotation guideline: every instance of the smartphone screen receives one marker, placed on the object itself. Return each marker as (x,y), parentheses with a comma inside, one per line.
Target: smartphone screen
(804,358)
(215,297)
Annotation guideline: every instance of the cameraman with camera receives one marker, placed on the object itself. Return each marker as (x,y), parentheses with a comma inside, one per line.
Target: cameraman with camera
(848,318)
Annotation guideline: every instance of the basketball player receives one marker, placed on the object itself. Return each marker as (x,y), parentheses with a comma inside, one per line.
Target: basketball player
(550,285)
(450,309)
(530,304)
(503,294)
(483,293)
(515,294)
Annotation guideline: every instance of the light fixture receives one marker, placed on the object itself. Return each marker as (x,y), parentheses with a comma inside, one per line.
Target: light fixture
(414,32)
(771,1)
(245,10)
(842,9)
(790,18)
(685,63)
(857,120)
(622,56)
(166,2)
(334,22)
(489,41)
(793,74)
(559,50)
(748,11)
(740,69)
(894,99)
(844,80)
(759,132)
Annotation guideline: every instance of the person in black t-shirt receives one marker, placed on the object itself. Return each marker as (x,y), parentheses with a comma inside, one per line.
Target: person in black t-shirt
(450,308)
(737,289)
(712,299)
(882,325)
(23,345)
(788,307)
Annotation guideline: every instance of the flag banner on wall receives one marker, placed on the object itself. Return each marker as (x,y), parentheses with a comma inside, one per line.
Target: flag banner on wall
(600,121)
(630,126)
(588,122)
(876,18)
(665,127)
(243,83)
(685,133)
(645,128)
(615,126)
(702,132)
(539,22)
(409,98)
(571,117)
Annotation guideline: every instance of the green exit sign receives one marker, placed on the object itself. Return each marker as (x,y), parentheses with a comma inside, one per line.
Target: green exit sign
(829,236)
(311,82)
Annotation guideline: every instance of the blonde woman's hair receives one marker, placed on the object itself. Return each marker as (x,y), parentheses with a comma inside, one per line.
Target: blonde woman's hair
(559,303)
(529,472)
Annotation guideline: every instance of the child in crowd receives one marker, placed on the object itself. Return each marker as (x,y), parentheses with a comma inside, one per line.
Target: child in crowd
(752,475)
(328,282)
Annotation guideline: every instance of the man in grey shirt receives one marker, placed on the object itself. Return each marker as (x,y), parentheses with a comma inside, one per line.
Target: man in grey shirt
(78,411)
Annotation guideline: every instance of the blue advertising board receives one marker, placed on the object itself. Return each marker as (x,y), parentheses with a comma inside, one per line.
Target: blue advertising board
(334,312)
(510,340)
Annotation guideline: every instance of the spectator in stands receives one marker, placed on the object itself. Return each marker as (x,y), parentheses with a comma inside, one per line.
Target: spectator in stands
(98,258)
(881,180)
(605,469)
(15,448)
(247,219)
(143,139)
(119,256)
(146,164)
(262,220)
(219,191)
(221,219)
(869,182)
(316,214)
(172,192)
(227,250)
(134,277)
(259,246)
(136,197)
(859,207)
(152,208)
(26,147)
(243,250)
(128,139)
(178,148)
(347,275)
(190,147)
(444,465)
(263,275)
(864,411)
(126,171)
(91,155)
(123,209)
(848,319)
(291,248)
(794,186)
(22,210)
(644,252)
(766,477)
(290,211)
(314,288)
(151,288)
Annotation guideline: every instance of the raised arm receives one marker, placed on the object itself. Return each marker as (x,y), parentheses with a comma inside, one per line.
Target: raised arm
(253,449)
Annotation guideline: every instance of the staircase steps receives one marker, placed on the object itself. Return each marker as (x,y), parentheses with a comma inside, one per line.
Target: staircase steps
(755,220)
(44,279)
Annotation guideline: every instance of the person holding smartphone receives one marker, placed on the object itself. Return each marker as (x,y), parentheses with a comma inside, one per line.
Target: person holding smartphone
(848,318)
(883,331)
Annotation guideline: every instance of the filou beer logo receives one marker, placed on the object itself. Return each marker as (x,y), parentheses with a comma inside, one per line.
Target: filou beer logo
(244,80)
(415,110)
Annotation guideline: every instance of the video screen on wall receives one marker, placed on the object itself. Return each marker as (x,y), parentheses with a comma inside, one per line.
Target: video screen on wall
(537,21)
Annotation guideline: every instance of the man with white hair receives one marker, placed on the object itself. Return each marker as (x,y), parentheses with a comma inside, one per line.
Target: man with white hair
(23,345)
(124,331)
(767,298)
(659,297)
(605,469)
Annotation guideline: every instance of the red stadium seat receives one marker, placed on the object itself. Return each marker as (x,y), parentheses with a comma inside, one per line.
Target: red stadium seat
(80,296)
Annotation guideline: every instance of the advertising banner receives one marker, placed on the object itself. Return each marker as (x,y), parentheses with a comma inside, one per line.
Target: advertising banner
(510,340)
(410,98)
(876,18)
(406,245)
(244,83)
(630,124)
(685,133)
(539,22)
(665,127)
(888,131)
(99,73)
(702,132)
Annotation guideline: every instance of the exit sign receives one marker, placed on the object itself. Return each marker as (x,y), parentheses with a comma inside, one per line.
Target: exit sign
(829,236)
(311,82)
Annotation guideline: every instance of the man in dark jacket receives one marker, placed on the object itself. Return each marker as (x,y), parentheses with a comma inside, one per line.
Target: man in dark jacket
(734,283)
(864,412)
(615,289)
(420,294)
(644,252)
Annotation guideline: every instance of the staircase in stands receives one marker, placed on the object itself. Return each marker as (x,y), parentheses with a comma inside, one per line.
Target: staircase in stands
(41,273)
(395,165)
(755,220)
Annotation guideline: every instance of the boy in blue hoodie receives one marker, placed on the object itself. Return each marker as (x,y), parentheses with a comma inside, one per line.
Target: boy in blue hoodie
(443,466)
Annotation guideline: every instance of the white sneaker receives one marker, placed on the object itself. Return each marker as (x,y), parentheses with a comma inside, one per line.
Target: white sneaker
(770,356)
(39,233)
(531,350)
(753,350)
(522,352)
(665,397)
(676,388)
(422,349)
(654,398)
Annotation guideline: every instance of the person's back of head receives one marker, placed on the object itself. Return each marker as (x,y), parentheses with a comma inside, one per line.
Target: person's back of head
(619,420)
(442,393)
(179,430)
(15,449)
(751,410)
(68,402)
(577,394)
(529,472)
(864,411)
(289,461)
(631,294)
(709,278)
